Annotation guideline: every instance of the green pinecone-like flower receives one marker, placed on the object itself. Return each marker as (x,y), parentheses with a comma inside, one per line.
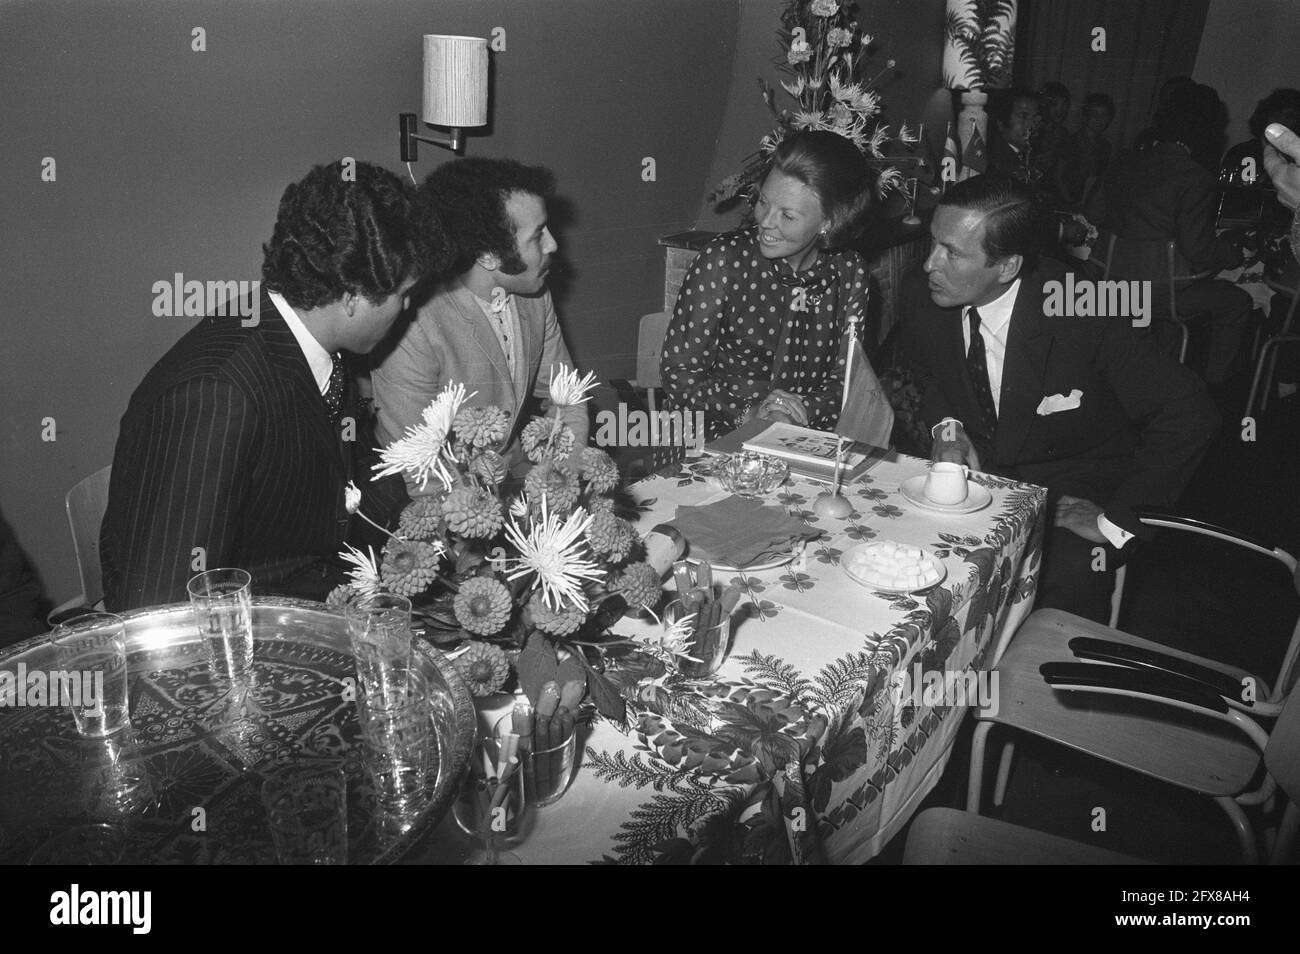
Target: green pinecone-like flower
(481,426)
(610,536)
(597,469)
(484,667)
(482,606)
(557,482)
(599,503)
(537,433)
(409,567)
(639,585)
(472,512)
(560,622)
(420,518)
(339,596)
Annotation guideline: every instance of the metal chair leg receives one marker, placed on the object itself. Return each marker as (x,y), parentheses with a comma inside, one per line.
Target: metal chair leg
(1004,773)
(1286,834)
(1241,824)
(975,783)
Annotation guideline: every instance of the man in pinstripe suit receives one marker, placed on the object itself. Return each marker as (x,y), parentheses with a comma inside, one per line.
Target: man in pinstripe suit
(236,448)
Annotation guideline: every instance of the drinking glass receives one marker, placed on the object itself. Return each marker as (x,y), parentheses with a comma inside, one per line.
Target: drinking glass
(379,628)
(397,732)
(92,679)
(491,804)
(546,763)
(223,612)
(307,809)
(708,645)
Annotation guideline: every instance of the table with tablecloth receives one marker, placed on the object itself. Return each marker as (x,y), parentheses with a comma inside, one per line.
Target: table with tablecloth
(812,685)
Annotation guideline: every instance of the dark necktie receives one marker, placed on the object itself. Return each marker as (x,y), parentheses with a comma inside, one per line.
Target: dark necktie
(978,368)
(334,390)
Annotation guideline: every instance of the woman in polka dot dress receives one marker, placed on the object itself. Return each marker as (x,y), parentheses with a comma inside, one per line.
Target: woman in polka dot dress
(760,323)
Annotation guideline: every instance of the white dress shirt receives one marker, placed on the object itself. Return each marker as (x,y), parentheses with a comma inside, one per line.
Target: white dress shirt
(505,325)
(318,359)
(995,324)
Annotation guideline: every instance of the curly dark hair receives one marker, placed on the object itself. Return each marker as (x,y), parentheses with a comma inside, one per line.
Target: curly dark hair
(469,196)
(335,234)
(1195,116)
(1280,106)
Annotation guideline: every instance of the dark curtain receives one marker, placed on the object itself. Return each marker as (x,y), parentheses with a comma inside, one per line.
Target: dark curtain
(1147,41)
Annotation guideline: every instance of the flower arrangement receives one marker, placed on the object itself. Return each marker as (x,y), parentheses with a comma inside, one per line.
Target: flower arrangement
(523,580)
(825,56)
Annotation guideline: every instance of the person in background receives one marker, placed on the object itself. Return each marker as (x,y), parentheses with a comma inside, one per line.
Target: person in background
(760,323)
(1014,151)
(1161,193)
(236,449)
(22,605)
(1053,138)
(491,325)
(1087,407)
(1087,155)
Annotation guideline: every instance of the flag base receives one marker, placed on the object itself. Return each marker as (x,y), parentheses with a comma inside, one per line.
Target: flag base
(828,504)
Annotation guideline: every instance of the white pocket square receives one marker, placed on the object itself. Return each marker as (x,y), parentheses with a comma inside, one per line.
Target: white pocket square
(1060,402)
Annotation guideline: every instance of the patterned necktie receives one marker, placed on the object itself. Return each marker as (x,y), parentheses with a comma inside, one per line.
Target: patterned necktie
(334,390)
(978,368)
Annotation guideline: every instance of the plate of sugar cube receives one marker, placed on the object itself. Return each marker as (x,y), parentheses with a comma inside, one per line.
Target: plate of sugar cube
(892,567)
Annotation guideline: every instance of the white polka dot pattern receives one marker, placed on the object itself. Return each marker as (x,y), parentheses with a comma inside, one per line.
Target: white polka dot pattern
(735,307)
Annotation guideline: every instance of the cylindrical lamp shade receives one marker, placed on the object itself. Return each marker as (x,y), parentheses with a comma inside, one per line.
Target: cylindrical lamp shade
(977,51)
(455,80)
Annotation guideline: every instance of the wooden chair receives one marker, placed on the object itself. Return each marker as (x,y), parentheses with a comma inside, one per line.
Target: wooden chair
(645,393)
(1266,361)
(1126,738)
(950,836)
(86,503)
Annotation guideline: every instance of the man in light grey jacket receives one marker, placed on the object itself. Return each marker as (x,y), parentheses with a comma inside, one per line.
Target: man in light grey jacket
(490,326)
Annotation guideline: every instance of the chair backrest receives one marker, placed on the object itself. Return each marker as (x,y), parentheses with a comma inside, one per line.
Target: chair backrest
(1282,754)
(86,503)
(649,346)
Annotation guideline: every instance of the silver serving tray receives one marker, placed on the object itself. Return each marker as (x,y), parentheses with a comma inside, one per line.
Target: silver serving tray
(178,756)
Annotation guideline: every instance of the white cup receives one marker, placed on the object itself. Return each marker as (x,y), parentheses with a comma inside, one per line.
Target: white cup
(946,483)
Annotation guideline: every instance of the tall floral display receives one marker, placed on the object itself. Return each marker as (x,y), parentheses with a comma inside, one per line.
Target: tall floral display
(826,57)
(524,582)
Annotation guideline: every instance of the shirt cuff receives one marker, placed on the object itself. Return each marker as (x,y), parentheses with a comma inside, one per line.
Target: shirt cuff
(945,421)
(1117,535)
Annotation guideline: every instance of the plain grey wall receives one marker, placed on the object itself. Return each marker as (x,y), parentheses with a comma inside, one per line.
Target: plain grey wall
(170,160)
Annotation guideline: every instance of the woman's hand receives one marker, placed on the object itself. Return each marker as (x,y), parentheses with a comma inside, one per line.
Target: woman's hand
(783,406)
(1283,144)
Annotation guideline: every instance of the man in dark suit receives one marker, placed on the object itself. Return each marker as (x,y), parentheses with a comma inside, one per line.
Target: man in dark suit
(237,447)
(1086,406)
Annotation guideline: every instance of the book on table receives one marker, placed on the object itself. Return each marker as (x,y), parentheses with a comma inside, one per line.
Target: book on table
(808,452)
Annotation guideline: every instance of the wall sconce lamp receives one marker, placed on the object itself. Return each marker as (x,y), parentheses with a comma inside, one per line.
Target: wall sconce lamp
(455,93)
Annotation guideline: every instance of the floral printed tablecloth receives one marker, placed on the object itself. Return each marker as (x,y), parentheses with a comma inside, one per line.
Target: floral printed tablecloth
(802,747)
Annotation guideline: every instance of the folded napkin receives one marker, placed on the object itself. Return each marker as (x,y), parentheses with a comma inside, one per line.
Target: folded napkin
(739,532)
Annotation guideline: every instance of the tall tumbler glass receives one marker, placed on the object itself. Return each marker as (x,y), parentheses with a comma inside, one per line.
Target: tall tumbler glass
(92,679)
(307,809)
(379,628)
(223,612)
(397,732)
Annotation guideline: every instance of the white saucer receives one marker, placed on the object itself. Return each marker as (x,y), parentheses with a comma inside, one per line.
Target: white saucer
(977,497)
(868,581)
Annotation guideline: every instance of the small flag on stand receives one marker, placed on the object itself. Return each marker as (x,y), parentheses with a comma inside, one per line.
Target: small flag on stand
(866,414)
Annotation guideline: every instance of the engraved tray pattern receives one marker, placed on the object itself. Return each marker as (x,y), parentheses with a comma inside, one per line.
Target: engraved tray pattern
(182,753)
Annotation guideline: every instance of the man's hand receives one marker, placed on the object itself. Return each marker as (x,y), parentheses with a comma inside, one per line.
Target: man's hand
(952,445)
(1080,517)
(1283,144)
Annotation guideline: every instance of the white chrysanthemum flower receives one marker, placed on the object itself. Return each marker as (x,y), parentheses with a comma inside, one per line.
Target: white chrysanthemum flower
(365,570)
(567,390)
(906,135)
(352,497)
(557,553)
(671,643)
(518,507)
(423,452)
(795,89)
